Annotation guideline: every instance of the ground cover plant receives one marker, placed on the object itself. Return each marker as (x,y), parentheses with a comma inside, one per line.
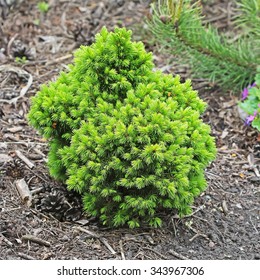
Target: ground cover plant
(251,103)
(129,139)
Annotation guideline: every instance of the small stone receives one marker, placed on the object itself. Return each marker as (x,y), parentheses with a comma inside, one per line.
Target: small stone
(19,241)
(83,222)
(64,238)
(238,205)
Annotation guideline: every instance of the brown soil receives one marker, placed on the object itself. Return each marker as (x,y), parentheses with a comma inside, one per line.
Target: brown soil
(225,222)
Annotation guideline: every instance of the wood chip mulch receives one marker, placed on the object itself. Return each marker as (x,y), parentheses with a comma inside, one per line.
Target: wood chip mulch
(225,222)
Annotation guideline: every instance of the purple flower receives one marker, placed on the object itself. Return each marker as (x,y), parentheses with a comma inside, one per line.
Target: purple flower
(246,91)
(253,85)
(250,118)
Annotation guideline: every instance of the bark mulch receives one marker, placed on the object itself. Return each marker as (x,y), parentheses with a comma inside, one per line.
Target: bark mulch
(225,221)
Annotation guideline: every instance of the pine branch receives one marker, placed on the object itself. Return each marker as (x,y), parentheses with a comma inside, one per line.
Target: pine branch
(209,53)
(249,17)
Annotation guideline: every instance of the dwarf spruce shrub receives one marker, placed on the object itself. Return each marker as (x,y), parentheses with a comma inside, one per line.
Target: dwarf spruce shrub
(129,139)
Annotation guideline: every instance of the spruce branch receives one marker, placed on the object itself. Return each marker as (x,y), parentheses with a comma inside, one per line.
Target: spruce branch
(210,54)
(129,139)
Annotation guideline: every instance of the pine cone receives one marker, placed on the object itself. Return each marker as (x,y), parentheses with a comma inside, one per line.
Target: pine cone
(57,205)
(15,169)
(64,205)
(53,203)
(73,214)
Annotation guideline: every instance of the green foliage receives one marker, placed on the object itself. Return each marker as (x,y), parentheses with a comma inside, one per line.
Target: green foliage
(107,70)
(43,7)
(179,26)
(249,18)
(20,60)
(251,103)
(129,139)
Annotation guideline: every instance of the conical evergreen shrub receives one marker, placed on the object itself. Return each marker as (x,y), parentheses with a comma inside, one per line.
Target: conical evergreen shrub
(128,138)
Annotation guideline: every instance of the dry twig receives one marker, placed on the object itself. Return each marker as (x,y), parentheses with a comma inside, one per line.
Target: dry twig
(25,256)
(159,254)
(59,59)
(197,234)
(224,207)
(9,45)
(9,243)
(35,239)
(122,250)
(24,191)
(95,235)
(177,255)
(24,159)
(104,241)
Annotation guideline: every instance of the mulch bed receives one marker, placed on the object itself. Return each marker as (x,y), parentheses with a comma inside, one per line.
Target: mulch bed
(225,221)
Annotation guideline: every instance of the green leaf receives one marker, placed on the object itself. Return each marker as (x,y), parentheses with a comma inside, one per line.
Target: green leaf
(256,123)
